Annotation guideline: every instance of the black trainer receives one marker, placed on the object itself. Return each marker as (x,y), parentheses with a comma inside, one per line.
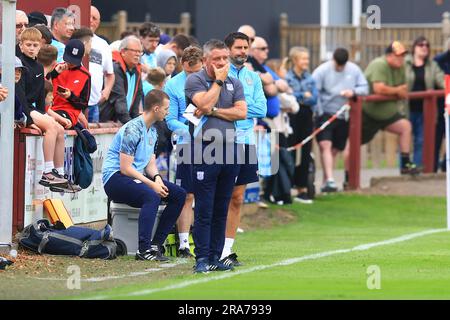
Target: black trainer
(303,198)
(231,260)
(184,253)
(216,265)
(410,168)
(151,255)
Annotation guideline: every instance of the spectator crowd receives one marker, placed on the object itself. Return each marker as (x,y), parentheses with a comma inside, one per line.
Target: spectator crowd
(154,85)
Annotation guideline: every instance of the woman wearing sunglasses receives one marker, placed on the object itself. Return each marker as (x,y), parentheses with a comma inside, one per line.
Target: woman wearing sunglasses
(422,73)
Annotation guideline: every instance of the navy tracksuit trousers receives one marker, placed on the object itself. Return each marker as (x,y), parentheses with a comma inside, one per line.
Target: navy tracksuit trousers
(213,185)
(123,189)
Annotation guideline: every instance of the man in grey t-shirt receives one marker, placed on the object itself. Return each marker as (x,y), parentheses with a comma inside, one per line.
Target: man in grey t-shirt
(337,81)
(221,101)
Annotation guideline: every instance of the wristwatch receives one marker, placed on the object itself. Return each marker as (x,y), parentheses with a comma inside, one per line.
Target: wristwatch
(219,82)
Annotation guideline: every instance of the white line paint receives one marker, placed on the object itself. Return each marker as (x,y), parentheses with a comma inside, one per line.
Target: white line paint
(131,274)
(287,262)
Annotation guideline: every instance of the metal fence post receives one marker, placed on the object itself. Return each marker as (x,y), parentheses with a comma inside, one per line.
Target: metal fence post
(7,123)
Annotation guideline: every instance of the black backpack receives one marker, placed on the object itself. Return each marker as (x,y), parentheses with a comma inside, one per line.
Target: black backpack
(42,237)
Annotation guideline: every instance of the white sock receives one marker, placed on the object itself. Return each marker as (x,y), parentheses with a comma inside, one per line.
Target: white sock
(60,170)
(48,167)
(184,240)
(227,247)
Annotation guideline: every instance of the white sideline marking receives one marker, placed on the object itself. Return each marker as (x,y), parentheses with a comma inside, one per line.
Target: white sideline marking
(131,274)
(286,262)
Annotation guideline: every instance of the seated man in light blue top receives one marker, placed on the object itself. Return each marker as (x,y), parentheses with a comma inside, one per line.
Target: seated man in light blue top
(130,156)
(337,81)
(239,43)
(62,27)
(192,62)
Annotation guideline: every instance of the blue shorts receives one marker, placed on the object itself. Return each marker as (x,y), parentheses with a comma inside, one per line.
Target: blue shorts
(248,172)
(183,177)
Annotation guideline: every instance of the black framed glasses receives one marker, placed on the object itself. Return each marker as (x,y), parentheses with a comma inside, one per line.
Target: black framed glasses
(139,52)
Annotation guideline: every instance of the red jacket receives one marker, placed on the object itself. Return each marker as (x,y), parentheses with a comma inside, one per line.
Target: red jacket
(78,81)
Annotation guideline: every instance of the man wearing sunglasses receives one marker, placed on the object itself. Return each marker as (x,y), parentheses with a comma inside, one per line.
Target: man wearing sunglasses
(126,95)
(21,24)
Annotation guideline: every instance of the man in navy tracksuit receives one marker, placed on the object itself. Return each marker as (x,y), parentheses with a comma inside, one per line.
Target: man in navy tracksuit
(221,101)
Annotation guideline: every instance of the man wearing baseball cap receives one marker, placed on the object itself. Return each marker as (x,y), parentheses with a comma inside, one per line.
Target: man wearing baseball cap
(386,76)
(71,83)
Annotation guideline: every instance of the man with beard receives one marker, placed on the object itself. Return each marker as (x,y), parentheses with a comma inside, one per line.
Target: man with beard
(239,44)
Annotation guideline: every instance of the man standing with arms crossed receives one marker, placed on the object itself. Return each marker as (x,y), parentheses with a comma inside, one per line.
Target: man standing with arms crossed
(221,101)
(239,44)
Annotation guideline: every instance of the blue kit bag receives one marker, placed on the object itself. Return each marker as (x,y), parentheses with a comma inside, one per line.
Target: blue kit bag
(41,237)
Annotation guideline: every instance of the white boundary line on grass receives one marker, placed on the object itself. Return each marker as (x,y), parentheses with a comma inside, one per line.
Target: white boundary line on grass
(286,262)
(132,274)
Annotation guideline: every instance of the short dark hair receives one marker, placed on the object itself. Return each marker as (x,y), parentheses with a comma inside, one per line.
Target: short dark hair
(213,44)
(181,40)
(82,33)
(233,36)
(154,98)
(149,29)
(340,55)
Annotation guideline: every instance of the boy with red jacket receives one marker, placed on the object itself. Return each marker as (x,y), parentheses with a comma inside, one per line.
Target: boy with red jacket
(71,83)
